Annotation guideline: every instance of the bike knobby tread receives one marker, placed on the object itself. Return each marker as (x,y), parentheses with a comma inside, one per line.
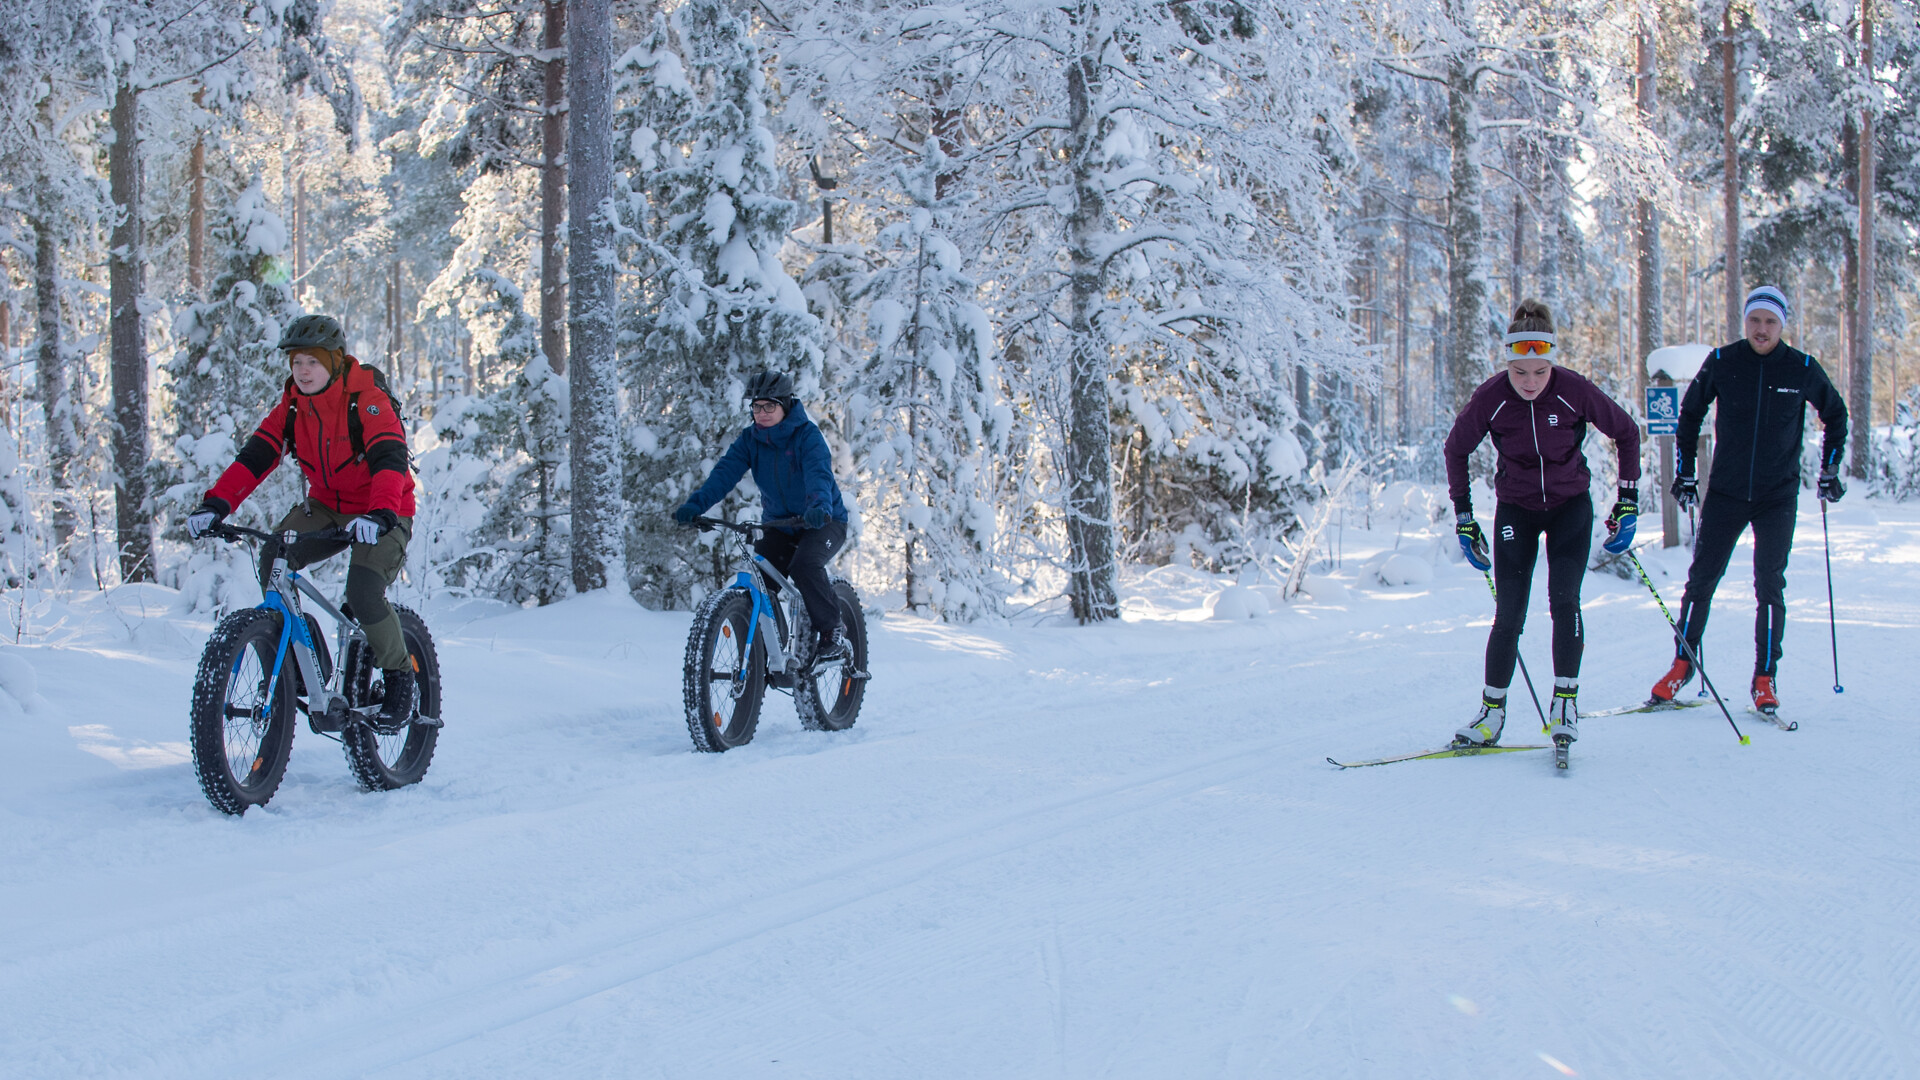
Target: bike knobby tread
(218,780)
(362,743)
(697,684)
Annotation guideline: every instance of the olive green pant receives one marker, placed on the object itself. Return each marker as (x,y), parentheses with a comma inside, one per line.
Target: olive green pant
(370,570)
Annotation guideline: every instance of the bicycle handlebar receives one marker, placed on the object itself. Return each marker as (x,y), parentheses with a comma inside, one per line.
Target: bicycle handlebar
(237,533)
(748,528)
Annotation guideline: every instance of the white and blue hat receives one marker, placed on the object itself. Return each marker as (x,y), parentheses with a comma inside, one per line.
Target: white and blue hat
(1768,298)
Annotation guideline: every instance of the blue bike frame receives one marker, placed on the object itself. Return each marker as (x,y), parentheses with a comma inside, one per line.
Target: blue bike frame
(763,616)
(283,595)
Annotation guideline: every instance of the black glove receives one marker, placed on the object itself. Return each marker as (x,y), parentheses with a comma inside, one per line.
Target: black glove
(1831,489)
(1620,523)
(1686,492)
(1473,541)
(209,513)
(686,513)
(815,517)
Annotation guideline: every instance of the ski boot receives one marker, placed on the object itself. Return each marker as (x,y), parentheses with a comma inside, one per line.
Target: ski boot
(1765,701)
(1669,685)
(1485,730)
(1565,717)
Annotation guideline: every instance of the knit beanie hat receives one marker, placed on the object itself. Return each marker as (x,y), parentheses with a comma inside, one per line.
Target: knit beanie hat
(1767,298)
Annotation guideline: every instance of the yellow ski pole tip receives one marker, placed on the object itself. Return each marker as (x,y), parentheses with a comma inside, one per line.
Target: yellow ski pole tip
(1746,740)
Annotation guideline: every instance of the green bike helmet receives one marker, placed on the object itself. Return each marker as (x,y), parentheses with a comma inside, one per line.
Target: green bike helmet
(314,332)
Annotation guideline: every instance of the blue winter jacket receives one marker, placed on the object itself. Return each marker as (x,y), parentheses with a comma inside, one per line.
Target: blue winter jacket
(790,463)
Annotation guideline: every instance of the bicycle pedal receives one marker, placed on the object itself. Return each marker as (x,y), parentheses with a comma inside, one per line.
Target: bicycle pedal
(428,721)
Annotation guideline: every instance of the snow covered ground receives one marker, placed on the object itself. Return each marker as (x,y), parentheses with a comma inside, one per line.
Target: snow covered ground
(1043,852)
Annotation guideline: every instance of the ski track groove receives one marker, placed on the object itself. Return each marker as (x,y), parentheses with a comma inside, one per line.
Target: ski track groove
(590,970)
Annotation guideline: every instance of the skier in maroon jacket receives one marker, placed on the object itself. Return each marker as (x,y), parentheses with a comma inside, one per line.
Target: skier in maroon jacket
(1537,415)
(335,419)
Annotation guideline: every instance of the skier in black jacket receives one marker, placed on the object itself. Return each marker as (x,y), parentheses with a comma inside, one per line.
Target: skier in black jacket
(1763,386)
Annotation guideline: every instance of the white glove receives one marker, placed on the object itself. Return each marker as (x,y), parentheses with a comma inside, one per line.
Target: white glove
(199,522)
(365,530)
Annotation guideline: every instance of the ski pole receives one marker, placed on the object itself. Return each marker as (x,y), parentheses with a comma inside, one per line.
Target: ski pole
(1692,657)
(1833,633)
(1531,692)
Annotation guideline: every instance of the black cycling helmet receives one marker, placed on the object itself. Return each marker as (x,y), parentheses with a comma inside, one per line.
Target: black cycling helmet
(771,385)
(314,332)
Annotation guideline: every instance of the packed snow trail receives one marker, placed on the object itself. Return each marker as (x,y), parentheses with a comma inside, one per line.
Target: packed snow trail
(1043,851)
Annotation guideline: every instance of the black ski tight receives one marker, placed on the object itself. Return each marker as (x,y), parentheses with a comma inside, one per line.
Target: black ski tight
(1722,519)
(1516,546)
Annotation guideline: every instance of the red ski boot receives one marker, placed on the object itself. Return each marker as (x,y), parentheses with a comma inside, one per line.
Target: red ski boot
(1669,685)
(1764,698)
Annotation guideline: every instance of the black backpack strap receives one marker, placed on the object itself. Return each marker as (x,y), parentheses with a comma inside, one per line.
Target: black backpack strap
(356,432)
(286,437)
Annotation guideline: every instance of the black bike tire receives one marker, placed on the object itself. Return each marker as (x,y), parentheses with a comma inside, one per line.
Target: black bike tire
(815,714)
(362,742)
(731,608)
(229,790)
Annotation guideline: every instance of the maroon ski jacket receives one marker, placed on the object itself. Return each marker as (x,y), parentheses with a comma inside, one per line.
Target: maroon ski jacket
(1538,441)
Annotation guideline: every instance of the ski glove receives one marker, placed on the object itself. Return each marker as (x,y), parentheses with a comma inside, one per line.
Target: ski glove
(1686,492)
(204,517)
(815,517)
(1831,489)
(367,528)
(1473,541)
(1620,523)
(686,513)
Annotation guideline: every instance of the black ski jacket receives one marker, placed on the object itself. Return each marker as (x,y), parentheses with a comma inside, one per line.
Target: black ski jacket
(1762,422)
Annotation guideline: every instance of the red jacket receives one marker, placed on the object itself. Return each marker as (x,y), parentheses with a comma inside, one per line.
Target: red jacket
(350,484)
(1538,441)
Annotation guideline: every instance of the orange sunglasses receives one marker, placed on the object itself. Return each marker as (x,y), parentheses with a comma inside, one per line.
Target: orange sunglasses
(1531,348)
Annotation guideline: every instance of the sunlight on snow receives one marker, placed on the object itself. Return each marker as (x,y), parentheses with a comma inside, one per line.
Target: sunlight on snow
(99,740)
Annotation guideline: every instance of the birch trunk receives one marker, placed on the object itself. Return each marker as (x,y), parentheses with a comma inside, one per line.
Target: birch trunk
(1093,585)
(125,284)
(590,323)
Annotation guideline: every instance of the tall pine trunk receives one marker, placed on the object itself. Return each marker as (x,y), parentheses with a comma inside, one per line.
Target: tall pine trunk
(1468,328)
(1860,392)
(1730,181)
(56,394)
(197,212)
(590,323)
(1093,587)
(1650,270)
(553,189)
(126,284)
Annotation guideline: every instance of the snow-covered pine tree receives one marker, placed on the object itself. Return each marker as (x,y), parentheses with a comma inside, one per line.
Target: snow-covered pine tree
(924,422)
(225,377)
(722,305)
(503,460)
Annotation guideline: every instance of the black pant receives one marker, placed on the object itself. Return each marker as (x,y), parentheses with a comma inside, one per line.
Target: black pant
(1722,519)
(1516,545)
(803,555)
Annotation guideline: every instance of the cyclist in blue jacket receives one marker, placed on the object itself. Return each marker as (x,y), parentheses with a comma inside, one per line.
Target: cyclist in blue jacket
(794,471)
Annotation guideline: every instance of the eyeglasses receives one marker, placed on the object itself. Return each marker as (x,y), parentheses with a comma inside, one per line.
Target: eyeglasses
(1531,348)
(767,406)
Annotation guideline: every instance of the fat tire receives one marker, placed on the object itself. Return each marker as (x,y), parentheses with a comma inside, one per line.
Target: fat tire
(230,790)
(839,706)
(723,615)
(384,762)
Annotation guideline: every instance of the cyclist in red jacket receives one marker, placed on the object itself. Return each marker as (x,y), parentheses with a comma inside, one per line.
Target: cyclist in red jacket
(336,420)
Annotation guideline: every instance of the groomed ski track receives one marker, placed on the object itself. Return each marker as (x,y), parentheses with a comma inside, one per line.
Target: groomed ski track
(1042,852)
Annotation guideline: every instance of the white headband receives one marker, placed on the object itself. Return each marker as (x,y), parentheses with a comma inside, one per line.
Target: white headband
(1530,335)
